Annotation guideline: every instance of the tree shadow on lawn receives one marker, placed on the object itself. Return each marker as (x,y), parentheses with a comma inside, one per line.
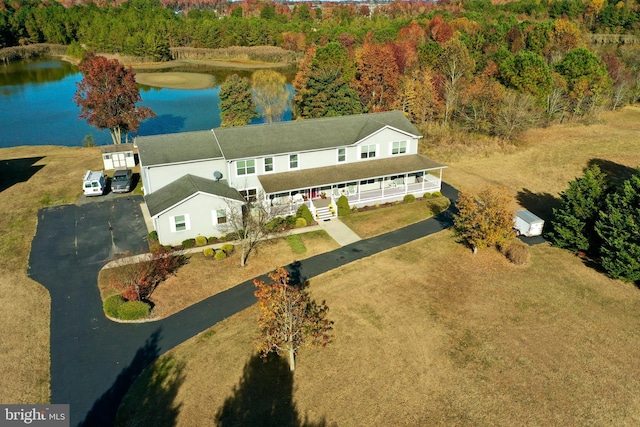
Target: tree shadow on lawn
(263,397)
(540,204)
(163,384)
(155,393)
(616,174)
(14,171)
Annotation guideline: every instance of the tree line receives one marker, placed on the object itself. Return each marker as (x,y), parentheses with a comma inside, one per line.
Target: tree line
(537,74)
(489,69)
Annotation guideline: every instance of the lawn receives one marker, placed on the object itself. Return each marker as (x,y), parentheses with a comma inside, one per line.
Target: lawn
(203,277)
(369,223)
(426,334)
(429,334)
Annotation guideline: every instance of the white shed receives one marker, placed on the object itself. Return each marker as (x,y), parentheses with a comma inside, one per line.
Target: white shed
(118,156)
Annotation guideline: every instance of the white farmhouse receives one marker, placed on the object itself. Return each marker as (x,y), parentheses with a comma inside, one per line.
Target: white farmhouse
(191,179)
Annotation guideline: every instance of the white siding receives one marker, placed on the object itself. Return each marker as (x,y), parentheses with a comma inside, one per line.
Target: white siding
(200,210)
(384,140)
(156,177)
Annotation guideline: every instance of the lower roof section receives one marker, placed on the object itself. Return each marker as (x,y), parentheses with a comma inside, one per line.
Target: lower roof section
(184,187)
(316,177)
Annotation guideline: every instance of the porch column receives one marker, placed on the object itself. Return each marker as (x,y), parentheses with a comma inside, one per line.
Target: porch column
(424,177)
(406,185)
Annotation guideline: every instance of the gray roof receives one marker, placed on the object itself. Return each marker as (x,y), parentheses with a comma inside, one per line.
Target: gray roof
(184,187)
(281,182)
(303,135)
(116,148)
(177,147)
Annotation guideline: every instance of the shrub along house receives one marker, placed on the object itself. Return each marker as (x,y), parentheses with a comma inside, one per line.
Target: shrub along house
(191,179)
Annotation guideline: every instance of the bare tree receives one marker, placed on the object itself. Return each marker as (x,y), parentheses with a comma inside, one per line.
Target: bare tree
(518,113)
(454,64)
(249,223)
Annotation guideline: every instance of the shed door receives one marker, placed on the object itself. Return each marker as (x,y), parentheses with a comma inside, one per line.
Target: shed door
(119,160)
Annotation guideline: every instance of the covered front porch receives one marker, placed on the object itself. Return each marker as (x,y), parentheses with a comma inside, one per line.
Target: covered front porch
(325,186)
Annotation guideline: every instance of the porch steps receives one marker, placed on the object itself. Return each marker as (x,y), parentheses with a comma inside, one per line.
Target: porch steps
(324,214)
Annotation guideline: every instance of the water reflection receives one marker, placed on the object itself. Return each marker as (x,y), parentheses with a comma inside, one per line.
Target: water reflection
(37,108)
(34,72)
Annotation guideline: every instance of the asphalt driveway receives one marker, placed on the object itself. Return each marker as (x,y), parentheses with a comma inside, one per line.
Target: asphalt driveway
(94,361)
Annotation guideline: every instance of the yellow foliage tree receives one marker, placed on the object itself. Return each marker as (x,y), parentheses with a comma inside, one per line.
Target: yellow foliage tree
(270,94)
(484,219)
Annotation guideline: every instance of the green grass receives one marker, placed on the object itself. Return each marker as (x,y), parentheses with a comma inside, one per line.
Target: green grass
(296,244)
(373,222)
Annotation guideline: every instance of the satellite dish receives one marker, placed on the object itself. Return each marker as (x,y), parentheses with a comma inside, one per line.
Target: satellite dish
(217,175)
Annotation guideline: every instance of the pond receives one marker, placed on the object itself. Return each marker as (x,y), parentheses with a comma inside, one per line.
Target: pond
(37,108)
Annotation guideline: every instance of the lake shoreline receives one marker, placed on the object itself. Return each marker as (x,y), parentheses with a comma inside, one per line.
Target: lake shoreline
(182,80)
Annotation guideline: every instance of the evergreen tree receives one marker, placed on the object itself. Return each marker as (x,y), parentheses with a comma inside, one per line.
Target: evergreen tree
(323,84)
(619,229)
(236,102)
(573,223)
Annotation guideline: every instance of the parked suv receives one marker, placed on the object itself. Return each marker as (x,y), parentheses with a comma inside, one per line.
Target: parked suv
(121,182)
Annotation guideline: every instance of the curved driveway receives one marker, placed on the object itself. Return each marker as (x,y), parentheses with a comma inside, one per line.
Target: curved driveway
(94,361)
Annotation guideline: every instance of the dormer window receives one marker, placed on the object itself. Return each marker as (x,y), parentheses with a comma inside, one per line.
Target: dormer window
(399,147)
(293,161)
(367,151)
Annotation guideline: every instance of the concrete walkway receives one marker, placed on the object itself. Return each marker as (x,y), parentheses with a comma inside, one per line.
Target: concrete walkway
(339,232)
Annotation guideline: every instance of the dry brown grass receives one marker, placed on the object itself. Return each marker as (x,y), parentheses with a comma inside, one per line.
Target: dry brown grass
(24,344)
(203,277)
(434,335)
(428,334)
(549,158)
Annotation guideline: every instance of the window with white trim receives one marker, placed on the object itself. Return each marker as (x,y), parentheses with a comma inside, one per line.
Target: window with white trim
(250,195)
(342,154)
(367,151)
(245,167)
(268,164)
(180,223)
(221,216)
(399,147)
(293,161)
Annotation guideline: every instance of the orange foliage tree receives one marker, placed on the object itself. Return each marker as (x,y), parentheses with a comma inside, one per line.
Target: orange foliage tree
(289,318)
(376,76)
(484,219)
(441,32)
